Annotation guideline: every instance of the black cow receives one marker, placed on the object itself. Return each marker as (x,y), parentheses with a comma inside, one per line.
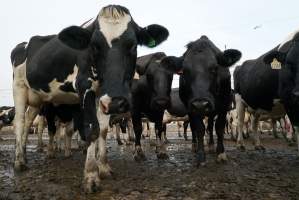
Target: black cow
(74,67)
(176,111)
(7,114)
(205,89)
(68,116)
(256,87)
(150,97)
(287,63)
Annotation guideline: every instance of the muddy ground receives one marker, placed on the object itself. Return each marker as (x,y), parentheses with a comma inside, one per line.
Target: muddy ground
(272,174)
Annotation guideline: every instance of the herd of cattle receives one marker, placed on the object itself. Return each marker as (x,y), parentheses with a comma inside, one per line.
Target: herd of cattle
(88,78)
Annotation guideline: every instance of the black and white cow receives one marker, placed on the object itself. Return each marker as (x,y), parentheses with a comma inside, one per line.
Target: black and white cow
(66,118)
(151,96)
(7,114)
(287,64)
(256,86)
(176,111)
(74,67)
(205,89)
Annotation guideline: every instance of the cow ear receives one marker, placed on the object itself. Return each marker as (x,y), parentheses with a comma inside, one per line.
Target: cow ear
(268,58)
(75,37)
(152,35)
(229,57)
(173,64)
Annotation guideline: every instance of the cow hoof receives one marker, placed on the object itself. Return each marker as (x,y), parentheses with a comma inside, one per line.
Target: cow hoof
(119,142)
(186,138)
(153,143)
(221,158)
(129,143)
(259,148)
(211,148)
(40,149)
(201,164)
(50,154)
(139,155)
(194,148)
(166,141)
(162,155)
(105,170)
(241,147)
(20,166)
(91,182)
(67,154)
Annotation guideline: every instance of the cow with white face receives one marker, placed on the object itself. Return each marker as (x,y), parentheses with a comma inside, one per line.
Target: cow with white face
(76,66)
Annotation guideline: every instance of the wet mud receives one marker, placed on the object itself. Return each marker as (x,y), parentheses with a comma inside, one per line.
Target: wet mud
(250,174)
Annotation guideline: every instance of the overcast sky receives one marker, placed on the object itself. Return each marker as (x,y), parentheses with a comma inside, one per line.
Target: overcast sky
(252,26)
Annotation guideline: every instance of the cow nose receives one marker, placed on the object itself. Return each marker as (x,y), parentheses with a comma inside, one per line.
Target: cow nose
(201,107)
(119,105)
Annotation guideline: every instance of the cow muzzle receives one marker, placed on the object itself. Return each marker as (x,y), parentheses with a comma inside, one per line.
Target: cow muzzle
(116,105)
(202,107)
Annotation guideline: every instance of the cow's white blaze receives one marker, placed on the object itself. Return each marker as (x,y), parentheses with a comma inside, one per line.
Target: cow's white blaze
(287,39)
(113,24)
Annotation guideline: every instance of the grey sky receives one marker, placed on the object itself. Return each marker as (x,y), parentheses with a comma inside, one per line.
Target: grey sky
(252,26)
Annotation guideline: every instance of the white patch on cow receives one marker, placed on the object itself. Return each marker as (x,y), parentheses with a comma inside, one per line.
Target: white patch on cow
(104,103)
(113,23)
(56,95)
(287,39)
(136,76)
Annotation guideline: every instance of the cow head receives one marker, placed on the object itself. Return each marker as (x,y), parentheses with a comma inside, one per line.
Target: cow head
(286,54)
(7,115)
(157,72)
(113,44)
(205,75)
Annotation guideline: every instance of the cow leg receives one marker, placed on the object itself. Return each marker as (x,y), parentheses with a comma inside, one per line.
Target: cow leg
(296,132)
(91,172)
(161,140)
(69,130)
(51,133)
(274,126)
(220,126)
(117,133)
(185,124)
(194,147)
(40,129)
(104,168)
(198,130)
(20,95)
(130,131)
(137,125)
(179,128)
(30,114)
(210,131)
(257,140)
(241,114)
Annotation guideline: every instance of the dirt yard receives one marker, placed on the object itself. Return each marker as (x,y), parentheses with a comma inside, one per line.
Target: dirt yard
(271,174)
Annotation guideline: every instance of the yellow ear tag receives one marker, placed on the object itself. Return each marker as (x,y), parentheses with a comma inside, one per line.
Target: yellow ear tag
(275,64)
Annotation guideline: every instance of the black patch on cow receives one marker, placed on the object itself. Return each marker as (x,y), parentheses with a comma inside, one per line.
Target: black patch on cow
(67,87)
(75,37)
